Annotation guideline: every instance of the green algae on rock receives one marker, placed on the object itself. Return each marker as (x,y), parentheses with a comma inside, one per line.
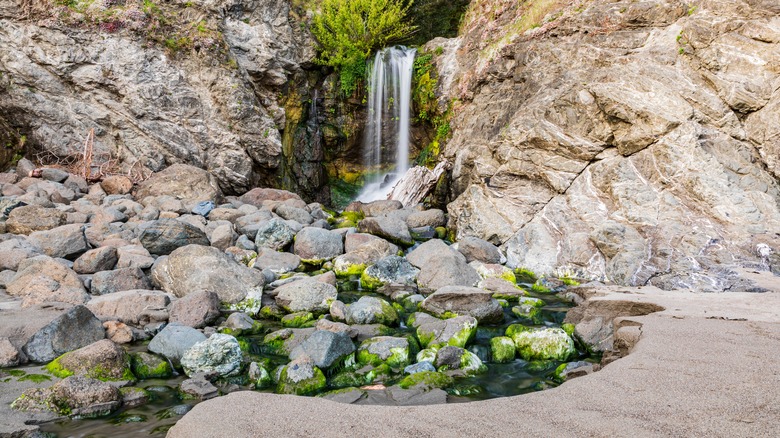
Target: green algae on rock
(546,343)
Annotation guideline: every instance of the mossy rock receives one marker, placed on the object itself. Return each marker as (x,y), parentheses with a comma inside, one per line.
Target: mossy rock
(369,282)
(516,328)
(427,354)
(298,320)
(384,350)
(526,276)
(289,384)
(271,312)
(544,344)
(502,349)
(102,360)
(426,380)
(150,366)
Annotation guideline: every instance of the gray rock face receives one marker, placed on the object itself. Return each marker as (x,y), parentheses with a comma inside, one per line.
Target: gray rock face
(164,236)
(674,136)
(463,301)
(188,183)
(42,279)
(474,248)
(66,241)
(325,348)
(219,354)
(175,340)
(274,234)
(196,309)
(306,296)
(392,229)
(317,244)
(441,266)
(98,259)
(133,307)
(195,267)
(371,310)
(44,332)
(108,282)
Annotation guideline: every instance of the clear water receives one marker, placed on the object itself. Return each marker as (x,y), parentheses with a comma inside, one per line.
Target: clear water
(386,143)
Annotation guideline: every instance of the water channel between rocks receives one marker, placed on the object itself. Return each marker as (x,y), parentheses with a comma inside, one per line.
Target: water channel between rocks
(500,380)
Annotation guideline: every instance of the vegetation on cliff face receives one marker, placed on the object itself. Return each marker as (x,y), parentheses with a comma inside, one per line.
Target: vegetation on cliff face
(349,30)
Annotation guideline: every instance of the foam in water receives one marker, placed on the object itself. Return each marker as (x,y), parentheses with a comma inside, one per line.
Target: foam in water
(387,125)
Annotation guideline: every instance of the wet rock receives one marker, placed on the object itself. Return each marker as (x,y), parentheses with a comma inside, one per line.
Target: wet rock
(199,387)
(187,183)
(315,245)
(306,296)
(441,266)
(434,332)
(394,230)
(163,236)
(474,248)
(196,310)
(460,300)
(463,362)
(325,348)
(108,282)
(275,234)
(134,307)
(371,310)
(42,279)
(301,377)
(277,262)
(133,397)
(573,370)
(95,260)
(174,340)
(389,270)
(195,267)
(419,367)
(543,344)
(219,354)
(74,396)
(103,360)
(30,218)
(502,349)
(384,349)
(283,342)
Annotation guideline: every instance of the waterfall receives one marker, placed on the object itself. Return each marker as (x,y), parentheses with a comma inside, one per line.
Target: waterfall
(387,125)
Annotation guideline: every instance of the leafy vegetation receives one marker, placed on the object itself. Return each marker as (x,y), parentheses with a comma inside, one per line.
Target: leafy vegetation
(426,106)
(349,30)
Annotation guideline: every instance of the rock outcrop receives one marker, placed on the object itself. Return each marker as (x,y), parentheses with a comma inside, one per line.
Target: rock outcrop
(617,140)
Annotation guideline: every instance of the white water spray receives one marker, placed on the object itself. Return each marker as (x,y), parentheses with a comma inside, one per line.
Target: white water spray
(387,125)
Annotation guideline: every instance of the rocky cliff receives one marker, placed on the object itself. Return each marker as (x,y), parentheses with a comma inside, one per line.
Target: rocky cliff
(632,141)
(197,82)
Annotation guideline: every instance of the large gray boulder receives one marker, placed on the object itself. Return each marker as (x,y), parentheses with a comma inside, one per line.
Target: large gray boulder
(43,279)
(133,307)
(42,333)
(462,301)
(67,241)
(389,270)
(195,267)
(392,229)
(30,218)
(196,309)
(108,282)
(103,360)
(274,233)
(95,260)
(218,354)
(441,266)
(474,248)
(308,295)
(275,261)
(325,348)
(163,236)
(174,340)
(315,245)
(187,183)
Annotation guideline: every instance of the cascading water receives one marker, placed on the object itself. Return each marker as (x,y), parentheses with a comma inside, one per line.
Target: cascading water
(387,126)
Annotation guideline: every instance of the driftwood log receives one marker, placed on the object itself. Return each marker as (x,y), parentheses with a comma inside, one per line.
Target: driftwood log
(416,183)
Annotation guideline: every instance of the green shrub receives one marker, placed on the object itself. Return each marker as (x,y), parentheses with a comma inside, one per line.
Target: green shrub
(349,30)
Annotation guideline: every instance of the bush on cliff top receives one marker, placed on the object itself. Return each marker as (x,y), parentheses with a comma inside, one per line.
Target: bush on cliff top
(349,30)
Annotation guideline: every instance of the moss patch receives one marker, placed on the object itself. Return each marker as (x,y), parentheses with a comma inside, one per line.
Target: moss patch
(426,380)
